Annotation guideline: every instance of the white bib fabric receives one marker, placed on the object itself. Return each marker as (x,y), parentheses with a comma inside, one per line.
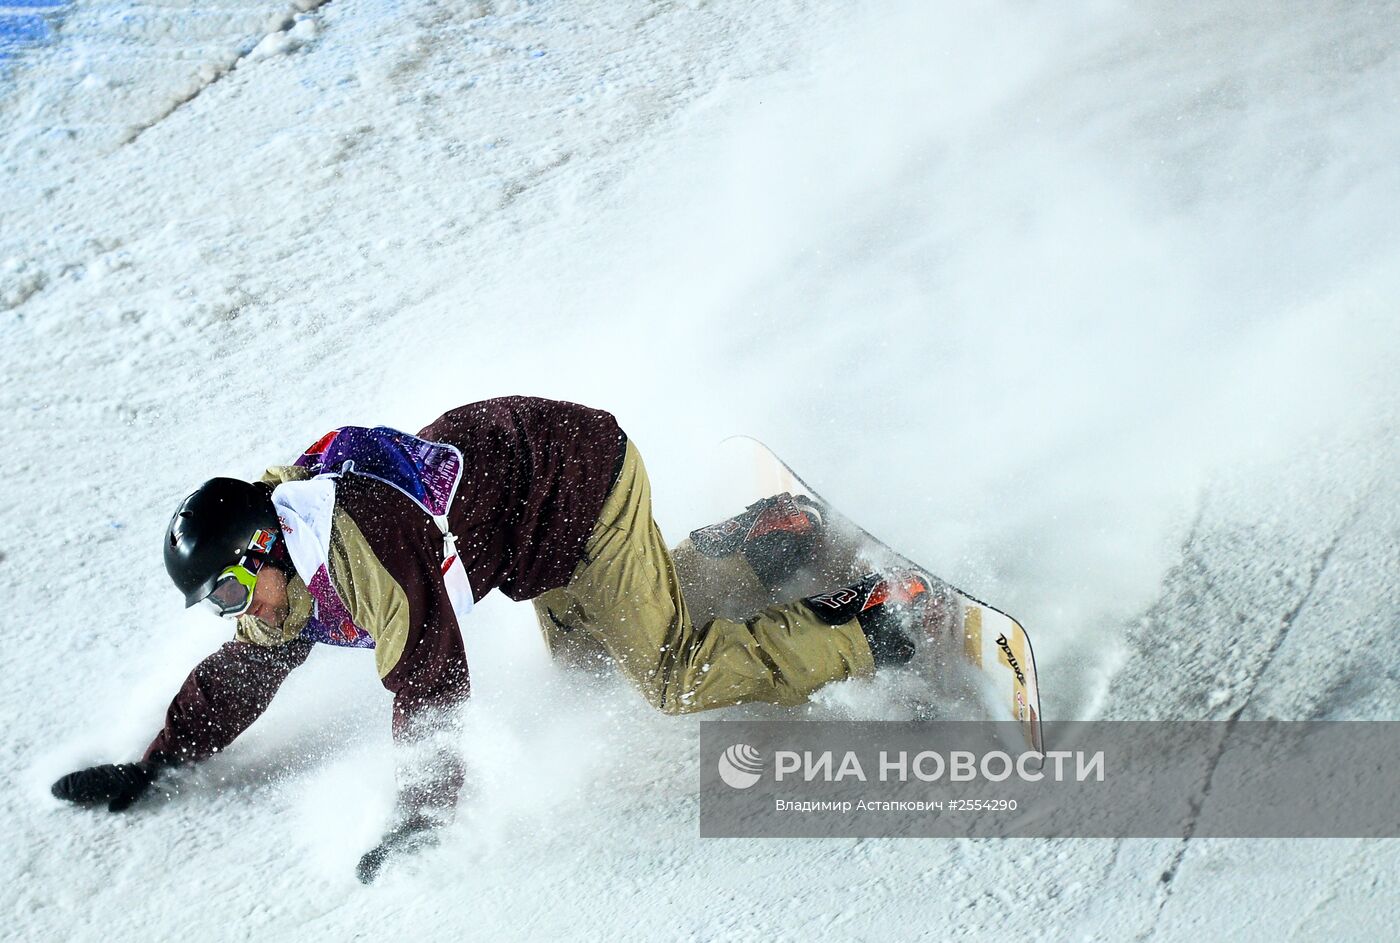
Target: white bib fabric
(454,575)
(304,509)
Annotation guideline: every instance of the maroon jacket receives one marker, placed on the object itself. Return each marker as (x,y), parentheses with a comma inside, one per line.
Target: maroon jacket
(536,475)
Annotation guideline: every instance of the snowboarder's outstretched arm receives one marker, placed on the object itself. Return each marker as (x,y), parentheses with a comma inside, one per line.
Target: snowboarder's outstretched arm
(225,693)
(385,564)
(221,697)
(429,688)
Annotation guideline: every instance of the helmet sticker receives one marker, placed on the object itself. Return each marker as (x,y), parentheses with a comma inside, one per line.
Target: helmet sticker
(261,542)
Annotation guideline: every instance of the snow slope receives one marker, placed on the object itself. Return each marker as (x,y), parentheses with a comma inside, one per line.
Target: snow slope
(1094,309)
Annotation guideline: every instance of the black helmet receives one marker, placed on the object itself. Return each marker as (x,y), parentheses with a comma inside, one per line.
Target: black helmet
(211,530)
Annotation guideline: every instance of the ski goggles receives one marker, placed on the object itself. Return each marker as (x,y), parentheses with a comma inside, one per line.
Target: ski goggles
(233,590)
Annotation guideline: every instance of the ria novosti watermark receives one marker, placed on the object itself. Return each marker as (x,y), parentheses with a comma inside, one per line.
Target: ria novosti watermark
(1118,779)
(931,766)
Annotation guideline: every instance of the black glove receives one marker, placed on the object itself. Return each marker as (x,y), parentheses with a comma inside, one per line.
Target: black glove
(119,785)
(410,835)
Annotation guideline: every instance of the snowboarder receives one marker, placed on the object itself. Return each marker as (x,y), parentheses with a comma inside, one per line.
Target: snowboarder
(382,540)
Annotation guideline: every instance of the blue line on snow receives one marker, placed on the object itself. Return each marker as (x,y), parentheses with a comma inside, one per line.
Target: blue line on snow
(21,29)
(25,29)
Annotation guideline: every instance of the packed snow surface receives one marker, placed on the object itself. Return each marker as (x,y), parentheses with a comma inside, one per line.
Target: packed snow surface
(1091,307)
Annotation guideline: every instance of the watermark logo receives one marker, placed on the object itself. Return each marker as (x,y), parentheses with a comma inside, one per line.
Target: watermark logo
(977,779)
(740,766)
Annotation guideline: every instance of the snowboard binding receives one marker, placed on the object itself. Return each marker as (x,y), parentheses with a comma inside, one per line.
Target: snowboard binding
(777,535)
(898,611)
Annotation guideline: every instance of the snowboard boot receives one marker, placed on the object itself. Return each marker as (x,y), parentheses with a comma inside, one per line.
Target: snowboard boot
(776,535)
(893,609)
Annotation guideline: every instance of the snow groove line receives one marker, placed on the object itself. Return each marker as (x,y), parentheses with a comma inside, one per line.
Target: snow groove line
(1315,577)
(221,70)
(1285,626)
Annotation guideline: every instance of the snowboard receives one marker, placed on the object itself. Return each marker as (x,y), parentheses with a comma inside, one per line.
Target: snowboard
(980,638)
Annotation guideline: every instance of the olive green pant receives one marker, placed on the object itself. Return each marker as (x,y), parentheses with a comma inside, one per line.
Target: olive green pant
(628,598)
